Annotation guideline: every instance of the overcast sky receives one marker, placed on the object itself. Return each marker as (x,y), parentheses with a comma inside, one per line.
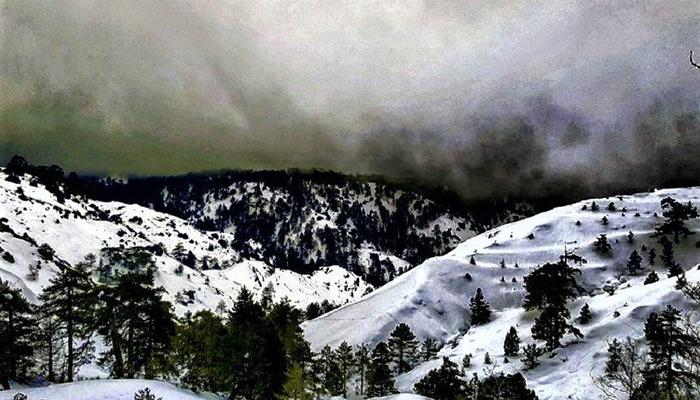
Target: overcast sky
(484,96)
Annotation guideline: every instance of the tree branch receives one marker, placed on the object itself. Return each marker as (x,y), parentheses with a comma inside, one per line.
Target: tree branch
(693,63)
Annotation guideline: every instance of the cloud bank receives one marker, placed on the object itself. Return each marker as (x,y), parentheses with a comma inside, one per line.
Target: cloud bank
(485,97)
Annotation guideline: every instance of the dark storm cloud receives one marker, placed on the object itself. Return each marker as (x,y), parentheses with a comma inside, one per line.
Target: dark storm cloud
(486,97)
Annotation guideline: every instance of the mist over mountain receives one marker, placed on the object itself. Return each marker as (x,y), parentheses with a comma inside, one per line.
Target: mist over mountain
(504,98)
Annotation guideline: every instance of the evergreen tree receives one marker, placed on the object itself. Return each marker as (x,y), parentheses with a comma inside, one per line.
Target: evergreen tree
(670,351)
(313,310)
(196,347)
(676,215)
(267,297)
(630,237)
(467,361)
(531,355)
(137,325)
(443,383)
(651,278)
(504,387)
(362,363)
(48,349)
(69,302)
(549,287)
(634,263)
(652,256)
(252,358)
(296,385)
(601,244)
(487,358)
(379,379)
(511,344)
(585,315)
(16,324)
(472,261)
(614,360)
(429,349)
(346,363)
(479,308)
(332,377)
(403,347)
(668,258)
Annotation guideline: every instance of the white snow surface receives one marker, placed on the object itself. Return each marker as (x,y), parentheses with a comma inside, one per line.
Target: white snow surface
(75,228)
(433,297)
(109,389)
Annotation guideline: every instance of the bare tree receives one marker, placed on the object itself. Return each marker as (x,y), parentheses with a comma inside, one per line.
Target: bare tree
(626,378)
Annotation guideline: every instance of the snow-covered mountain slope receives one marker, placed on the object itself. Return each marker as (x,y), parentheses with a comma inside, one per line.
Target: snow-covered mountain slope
(39,231)
(433,297)
(301,220)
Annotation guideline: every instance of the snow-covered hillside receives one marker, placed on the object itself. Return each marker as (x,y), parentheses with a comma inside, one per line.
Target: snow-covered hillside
(124,389)
(111,389)
(433,297)
(39,231)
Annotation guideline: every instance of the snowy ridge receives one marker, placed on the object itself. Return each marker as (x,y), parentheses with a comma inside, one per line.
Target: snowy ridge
(31,216)
(433,297)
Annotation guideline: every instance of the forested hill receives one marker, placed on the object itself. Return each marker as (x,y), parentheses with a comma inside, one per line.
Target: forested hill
(297,220)
(303,220)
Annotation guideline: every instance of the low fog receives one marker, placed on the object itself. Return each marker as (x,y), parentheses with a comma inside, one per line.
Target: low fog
(484,97)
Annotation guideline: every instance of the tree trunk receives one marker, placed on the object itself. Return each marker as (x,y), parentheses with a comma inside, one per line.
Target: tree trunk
(70,333)
(116,349)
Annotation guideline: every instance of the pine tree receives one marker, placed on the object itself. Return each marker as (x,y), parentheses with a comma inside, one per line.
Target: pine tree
(48,346)
(69,300)
(429,349)
(676,215)
(532,354)
(267,297)
(503,387)
(511,344)
(472,261)
(138,326)
(487,358)
(16,324)
(196,347)
(634,263)
(362,363)
(630,237)
(651,278)
(379,379)
(403,347)
(604,220)
(479,308)
(503,263)
(467,361)
(652,256)
(332,377)
(296,385)
(670,351)
(549,287)
(601,244)
(252,357)
(313,310)
(443,383)
(614,360)
(346,362)
(585,315)
(668,258)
